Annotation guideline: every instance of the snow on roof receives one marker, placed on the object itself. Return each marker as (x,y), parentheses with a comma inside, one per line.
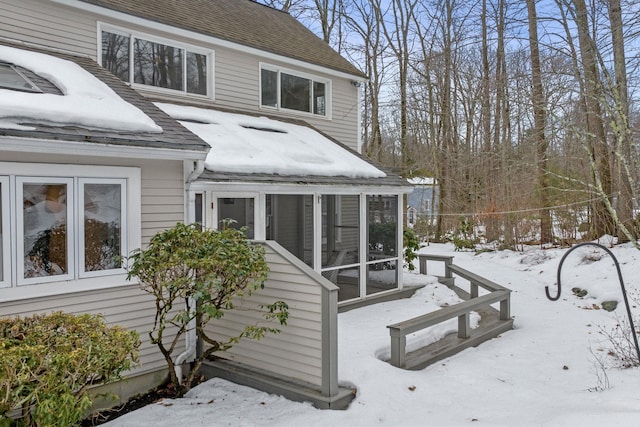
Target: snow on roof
(421,181)
(86,101)
(247,144)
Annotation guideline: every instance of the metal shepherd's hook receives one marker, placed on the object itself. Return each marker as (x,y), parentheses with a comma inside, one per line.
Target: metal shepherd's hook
(624,292)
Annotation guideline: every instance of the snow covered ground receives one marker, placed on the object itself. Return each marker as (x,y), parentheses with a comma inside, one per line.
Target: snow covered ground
(543,373)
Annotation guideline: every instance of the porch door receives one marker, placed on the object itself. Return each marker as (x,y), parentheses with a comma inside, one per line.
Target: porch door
(340,235)
(241,210)
(383,243)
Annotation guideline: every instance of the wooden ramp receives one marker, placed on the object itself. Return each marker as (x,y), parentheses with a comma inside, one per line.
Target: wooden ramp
(493,321)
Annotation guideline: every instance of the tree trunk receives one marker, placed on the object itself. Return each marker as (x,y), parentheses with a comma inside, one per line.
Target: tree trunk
(539,117)
(602,222)
(624,206)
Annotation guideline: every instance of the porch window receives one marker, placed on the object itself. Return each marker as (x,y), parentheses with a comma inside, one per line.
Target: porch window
(199,209)
(168,65)
(287,90)
(382,247)
(68,226)
(240,210)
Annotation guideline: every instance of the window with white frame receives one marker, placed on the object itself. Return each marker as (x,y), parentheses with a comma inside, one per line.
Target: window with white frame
(74,223)
(288,90)
(162,64)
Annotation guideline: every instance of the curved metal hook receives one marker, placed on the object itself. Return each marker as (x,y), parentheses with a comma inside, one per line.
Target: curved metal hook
(558,280)
(624,292)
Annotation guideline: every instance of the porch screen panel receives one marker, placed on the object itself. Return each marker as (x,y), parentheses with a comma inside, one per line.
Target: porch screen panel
(382,247)
(290,223)
(341,243)
(240,210)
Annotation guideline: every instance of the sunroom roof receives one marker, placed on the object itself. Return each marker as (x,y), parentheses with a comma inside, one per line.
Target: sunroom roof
(259,145)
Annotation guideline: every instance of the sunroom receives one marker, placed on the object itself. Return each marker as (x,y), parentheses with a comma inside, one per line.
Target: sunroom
(287,182)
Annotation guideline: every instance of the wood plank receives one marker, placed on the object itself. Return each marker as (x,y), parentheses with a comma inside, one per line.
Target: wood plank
(479,280)
(446,313)
(451,344)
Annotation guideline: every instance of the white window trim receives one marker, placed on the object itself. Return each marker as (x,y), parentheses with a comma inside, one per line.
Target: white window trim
(209,53)
(279,71)
(70,236)
(124,250)
(5,242)
(13,290)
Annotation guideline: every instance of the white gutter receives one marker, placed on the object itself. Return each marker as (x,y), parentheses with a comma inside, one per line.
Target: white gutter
(191,338)
(191,341)
(197,171)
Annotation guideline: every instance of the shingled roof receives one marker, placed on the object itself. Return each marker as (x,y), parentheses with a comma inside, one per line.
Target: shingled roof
(173,136)
(239,21)
(389,179)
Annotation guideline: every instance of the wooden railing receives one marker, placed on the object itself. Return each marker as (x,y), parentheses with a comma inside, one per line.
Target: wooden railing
(466,337)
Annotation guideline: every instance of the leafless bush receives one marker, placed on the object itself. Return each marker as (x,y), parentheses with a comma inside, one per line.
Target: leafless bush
(620,343)
(600,371)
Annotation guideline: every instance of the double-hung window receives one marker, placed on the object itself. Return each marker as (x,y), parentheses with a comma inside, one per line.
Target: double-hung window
(287,90)
(142,60)
(72,224)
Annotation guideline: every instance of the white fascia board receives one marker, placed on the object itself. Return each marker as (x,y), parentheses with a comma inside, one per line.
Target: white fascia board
(134,20)
(49,146)
(285,188)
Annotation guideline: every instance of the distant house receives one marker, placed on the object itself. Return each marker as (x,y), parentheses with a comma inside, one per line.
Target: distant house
(190,111)
(422,202)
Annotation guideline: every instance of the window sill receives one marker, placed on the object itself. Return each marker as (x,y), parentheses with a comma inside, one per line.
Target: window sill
(294,113)
(56,289)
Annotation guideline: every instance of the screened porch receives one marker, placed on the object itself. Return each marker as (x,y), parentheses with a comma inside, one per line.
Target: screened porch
(353,240)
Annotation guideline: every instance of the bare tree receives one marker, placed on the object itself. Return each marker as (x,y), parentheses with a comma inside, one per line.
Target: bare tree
(539,116)
(363,21)
(622,130)
(599,150)
(398,33)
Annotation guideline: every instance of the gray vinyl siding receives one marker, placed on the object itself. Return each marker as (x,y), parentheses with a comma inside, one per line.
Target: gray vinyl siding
(126,306)
(236,80)
(162,206)
(297,351)
(44,23)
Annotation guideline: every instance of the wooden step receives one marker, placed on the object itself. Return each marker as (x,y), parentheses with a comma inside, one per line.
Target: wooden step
(451,344)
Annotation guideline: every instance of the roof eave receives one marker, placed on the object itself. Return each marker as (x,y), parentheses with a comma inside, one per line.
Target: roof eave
(48,146)
(335,184)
